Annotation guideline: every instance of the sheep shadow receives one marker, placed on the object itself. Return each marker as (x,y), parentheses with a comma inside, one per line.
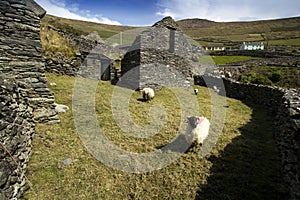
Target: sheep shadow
(249,167)
(141,100)
(179,145)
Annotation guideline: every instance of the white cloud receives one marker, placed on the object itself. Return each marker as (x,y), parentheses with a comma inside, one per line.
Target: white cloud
(229,10)
(59,8)
(179,9)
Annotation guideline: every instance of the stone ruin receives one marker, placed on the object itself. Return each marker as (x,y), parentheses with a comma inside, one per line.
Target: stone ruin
(91,61)
(21,55)
(97,66)
(16,133)
(24,96)
(160,56)
(25,99)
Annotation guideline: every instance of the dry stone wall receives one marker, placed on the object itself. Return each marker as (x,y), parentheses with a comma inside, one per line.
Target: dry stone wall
(63,66)
(285,104)
(287,125)
(24,97)
(16,132)
(258,53)
(21,55)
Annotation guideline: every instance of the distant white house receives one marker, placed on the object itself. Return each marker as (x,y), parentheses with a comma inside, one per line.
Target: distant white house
(251,46)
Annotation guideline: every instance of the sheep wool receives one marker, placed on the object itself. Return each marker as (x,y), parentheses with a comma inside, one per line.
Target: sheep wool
(196,91)
(198,129)
(148,93)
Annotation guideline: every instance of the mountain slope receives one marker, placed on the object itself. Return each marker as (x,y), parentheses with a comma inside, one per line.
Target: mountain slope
(271,30)
(83,27)
(279,34)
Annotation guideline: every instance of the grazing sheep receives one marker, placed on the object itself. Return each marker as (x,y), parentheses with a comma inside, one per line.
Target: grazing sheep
(148,94)
(198,129)
(228,75)
(60,108)
(196,91)
(52,84)
(216,89)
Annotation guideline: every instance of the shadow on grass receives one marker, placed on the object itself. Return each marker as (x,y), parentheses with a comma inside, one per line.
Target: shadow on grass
(179,145)
(250,166)
(141,100)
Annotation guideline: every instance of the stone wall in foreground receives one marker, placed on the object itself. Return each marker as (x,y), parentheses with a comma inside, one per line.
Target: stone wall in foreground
(21,55)
(24,96)
(16,131)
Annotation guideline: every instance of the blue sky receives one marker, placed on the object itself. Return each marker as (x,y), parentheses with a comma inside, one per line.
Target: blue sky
(147,12)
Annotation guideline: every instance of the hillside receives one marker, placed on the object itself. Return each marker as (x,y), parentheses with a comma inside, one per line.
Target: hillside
(83,27)
(278,34)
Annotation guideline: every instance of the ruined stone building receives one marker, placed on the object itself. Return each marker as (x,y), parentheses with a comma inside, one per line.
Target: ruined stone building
(159,56)
(97,66)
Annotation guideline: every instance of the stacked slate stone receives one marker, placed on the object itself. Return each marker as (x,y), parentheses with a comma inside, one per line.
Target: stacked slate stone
(21,55)
(88,43)
(96,66)
(159,56)
(24,97)
(288,137)
(64,67)
(16,131)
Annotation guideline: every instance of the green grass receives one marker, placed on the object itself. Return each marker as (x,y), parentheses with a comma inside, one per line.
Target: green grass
(290,75)
(292,42)
(219,60)
(54,45)
(244,164)
(244,31)
(83,27)
(281,34)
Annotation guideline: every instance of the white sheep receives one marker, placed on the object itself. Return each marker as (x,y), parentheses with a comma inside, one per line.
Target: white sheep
(197,130)
(216,89)
(148,94)
(60,108)
(52,84)
(196,91)
(228,75)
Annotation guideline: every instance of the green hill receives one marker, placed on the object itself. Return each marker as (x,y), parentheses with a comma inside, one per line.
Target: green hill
(83,27)
(278,34)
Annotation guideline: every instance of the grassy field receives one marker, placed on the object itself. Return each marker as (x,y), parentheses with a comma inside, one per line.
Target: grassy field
(244,164)
(289,76)
(55,45)
(220,60)
(292,42)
